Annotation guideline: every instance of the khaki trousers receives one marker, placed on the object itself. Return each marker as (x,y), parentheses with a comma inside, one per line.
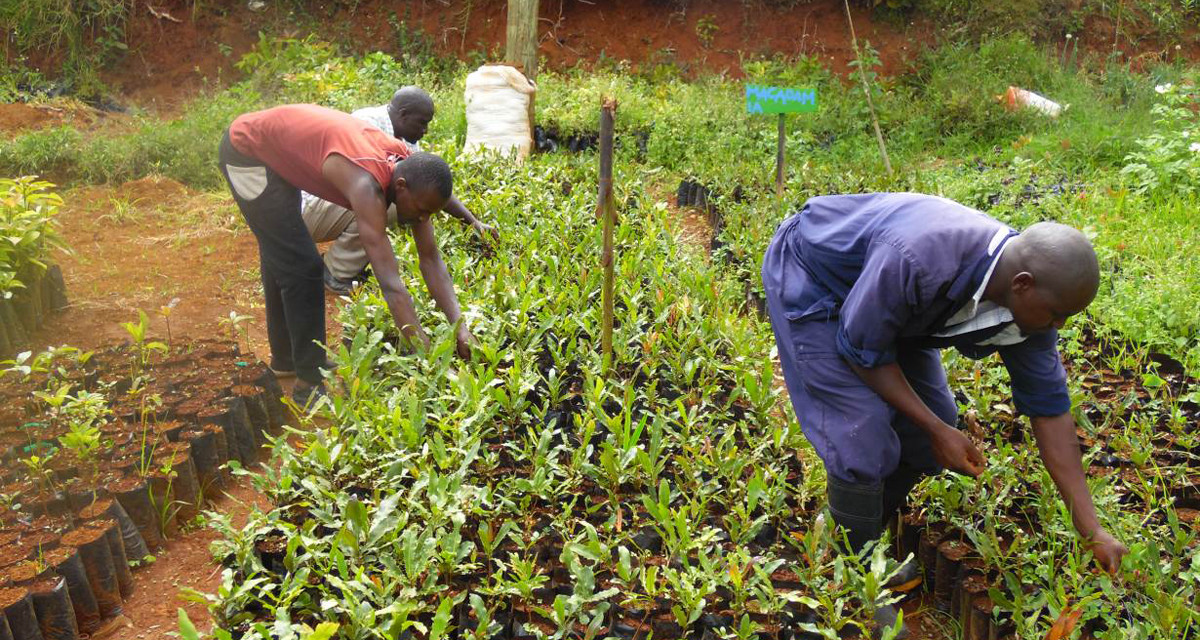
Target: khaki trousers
(326,222)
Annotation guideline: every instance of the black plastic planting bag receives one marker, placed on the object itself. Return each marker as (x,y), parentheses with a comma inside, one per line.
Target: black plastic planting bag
(52,605)
(256,411)
(80,497)
(162,496)
(238,436)
(12,324)
(87,612)
(135,500)
(6,347)
(185,486)
(98,563)
(22,621)
(243,432)
(205,458)
(28,303)
(56,288)
(5,632)
(273,396)
(120,564)
(131,538)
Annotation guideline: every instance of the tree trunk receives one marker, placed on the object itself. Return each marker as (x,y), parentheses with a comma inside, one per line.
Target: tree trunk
(521,44)
(522,40)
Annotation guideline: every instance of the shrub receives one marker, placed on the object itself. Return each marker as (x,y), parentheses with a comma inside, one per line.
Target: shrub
(27,229)
(1169,158)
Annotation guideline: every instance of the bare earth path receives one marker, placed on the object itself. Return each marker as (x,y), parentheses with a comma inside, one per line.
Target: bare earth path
(139,246)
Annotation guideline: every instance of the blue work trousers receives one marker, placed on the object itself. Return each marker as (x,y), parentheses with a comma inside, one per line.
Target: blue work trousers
(858,435)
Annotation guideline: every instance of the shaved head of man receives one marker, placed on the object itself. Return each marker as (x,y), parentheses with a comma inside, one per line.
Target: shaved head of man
(1046,275)
(411,110)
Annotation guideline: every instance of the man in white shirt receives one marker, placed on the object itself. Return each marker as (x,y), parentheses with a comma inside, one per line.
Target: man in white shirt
(406,117)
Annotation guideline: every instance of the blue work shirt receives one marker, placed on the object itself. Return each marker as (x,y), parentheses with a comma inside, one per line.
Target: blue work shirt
(892,268)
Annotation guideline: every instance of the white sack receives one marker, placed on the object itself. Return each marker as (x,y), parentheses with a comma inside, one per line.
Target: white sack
(498,99)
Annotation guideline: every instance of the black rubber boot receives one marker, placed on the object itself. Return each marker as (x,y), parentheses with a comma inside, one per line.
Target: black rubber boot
(336,285)
(896,488)
(895,493)
(858,509)
(305,394)
(885,618)
(907,578)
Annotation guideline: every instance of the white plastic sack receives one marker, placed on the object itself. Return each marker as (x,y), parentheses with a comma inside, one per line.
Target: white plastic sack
(1016,98)
(498,99)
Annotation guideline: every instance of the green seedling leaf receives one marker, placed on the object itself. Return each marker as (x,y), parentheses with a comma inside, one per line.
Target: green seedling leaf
(441,619)
(324,631)
(187,630)
(386,518)
(356,517)
(1152,381)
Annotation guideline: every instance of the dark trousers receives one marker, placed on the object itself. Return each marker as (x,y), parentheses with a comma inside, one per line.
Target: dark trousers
(289,262)
(873,455)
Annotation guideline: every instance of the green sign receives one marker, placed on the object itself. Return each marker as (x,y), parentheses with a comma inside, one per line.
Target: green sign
(764,99)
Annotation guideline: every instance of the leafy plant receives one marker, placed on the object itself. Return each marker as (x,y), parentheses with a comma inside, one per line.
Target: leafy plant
(1168,158)
(235,327)
(28,231)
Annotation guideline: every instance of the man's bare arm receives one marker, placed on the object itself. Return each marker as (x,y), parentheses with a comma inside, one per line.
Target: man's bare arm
(433,270)
(458,210)
(441,287)
(951,448)
(1059,449)
(370,212)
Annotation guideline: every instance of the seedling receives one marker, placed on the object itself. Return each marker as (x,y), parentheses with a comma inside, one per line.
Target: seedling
(165,312)
(143,347)
(234,325)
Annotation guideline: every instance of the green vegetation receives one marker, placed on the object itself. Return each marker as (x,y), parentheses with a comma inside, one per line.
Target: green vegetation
(27,231)
(85,34)
(522,491)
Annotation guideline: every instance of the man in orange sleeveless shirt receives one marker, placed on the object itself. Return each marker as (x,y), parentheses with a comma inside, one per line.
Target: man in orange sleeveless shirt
(268,156)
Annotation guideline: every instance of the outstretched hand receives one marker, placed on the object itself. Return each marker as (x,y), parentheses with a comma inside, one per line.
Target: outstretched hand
(1107,550)
(486,231)
(464,341)
(955,451)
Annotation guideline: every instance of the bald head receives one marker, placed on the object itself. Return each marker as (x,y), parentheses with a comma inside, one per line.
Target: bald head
(411,110)
(411,97)
(1061,260)
(1046,275)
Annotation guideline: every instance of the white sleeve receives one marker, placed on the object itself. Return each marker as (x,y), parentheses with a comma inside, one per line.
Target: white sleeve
(377,117)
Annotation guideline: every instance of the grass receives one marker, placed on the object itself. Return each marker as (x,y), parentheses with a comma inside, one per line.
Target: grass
(86,34)
(413,456)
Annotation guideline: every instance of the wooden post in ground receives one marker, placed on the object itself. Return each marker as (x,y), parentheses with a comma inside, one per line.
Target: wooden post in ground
(521,43)
(607,210)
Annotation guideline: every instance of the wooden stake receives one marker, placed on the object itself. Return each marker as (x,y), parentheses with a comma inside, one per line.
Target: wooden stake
(887,164)
(1117,27)
(607,209)
(779,159)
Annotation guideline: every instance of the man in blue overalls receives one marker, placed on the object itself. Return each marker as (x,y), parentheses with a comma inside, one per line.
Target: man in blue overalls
(863,291)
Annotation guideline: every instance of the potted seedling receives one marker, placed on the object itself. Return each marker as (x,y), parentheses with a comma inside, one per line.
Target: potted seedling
(235,326)
(39,470)
(143,348)
(83,440)
(165,312)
